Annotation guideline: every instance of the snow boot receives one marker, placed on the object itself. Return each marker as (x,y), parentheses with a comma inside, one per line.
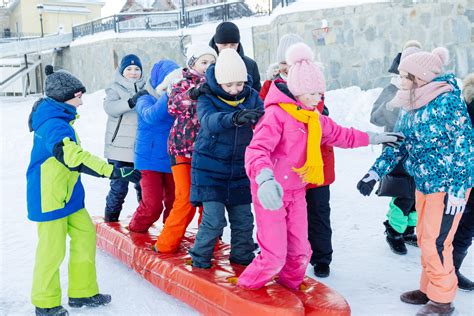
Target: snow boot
(321,270)
(415,297)
(409,236)
(93,301)
(395,240)
(436,309)
(54,311)
(463,282)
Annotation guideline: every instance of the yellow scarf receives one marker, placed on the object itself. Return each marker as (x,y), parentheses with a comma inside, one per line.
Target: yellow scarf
(312,170)
(232,103)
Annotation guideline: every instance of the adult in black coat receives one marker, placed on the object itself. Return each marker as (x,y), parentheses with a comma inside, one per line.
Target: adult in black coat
(228,36)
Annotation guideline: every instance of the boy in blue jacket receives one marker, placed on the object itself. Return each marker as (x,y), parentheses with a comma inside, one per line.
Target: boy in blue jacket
(55,198)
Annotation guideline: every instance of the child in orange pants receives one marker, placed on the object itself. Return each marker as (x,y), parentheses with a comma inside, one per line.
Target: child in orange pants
(182,105)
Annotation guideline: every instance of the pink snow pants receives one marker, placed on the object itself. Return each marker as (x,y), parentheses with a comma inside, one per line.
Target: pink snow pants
(283,239)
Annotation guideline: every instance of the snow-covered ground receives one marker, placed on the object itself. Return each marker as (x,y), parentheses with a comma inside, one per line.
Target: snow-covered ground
(364,270)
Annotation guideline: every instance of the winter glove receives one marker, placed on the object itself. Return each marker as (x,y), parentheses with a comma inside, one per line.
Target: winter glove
(126,174)
(387,138)
(195,92)
(455,205)
(270,192)
(245,116)
(133,100)
(366,185)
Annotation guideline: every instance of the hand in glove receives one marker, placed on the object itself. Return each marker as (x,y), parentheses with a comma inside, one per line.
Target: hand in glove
(126,174)
(270,192)
(195,92)
(366,185)
(133,100)
(245,116)
(455,205)
(387,138)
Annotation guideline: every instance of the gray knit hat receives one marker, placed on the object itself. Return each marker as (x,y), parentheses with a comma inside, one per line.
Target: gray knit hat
(286,41)
(61,85)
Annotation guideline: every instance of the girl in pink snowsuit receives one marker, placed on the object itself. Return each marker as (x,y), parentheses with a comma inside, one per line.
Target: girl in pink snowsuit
(283,156)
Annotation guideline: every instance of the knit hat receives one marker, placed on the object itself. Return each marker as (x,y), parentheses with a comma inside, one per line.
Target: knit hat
(230,67)
(130,60)
(424,65)
(61,85)
(286,41)
(197,50)
(227,32)
(411,47)
(304,76)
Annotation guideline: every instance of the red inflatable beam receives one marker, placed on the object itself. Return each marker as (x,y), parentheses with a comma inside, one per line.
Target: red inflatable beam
(208,290)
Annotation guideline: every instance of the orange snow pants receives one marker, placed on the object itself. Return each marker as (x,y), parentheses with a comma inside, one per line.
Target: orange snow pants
(435,230)
(183,211)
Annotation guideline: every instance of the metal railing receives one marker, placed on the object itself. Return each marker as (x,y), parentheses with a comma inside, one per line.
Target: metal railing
(167,20)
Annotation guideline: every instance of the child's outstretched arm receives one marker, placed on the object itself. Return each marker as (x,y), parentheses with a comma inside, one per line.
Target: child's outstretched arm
(114,105)
(212,119)
(60,143)
(153,110)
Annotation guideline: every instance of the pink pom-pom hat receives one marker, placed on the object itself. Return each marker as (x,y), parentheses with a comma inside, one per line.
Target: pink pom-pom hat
(425,65)
(304,76)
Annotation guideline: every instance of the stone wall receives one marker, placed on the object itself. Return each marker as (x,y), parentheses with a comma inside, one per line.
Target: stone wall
(362,41)
(357,49)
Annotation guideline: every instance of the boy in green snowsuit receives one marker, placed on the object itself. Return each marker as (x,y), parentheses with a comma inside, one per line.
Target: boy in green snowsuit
(55,198)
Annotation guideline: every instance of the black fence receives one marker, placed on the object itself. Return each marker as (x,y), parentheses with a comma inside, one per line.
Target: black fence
(167,20)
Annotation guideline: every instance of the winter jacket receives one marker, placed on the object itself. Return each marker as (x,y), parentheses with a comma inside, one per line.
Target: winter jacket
(54,189)
(252,68)
(439,144)
(217,169)
(468,92)
(183,109)
(280,141)
(381,115)
(154,123)
(122,120)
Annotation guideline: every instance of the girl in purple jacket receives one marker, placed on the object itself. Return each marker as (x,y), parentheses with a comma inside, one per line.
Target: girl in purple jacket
(279,167)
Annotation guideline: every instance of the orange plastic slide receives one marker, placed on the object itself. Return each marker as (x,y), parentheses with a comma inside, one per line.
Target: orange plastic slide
(208,290)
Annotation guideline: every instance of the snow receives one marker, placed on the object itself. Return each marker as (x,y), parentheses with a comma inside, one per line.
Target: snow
(364,270)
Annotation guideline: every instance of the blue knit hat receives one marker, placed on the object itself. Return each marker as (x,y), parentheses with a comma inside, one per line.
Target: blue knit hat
(130,60)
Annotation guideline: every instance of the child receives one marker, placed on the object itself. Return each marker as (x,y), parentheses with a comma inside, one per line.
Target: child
(55,198)
(119,103)
(401,215)
(439,145)
(279,167)
(181,144)
(226,114)
(151,156)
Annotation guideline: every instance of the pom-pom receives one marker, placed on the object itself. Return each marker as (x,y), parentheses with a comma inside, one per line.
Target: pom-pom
(299,52)
(412,43)
(48,70)
(443,54)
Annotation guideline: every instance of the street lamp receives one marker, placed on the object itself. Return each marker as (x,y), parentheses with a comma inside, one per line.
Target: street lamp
(40,8)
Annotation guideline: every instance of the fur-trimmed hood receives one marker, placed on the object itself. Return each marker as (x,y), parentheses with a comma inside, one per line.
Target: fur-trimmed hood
(468,88)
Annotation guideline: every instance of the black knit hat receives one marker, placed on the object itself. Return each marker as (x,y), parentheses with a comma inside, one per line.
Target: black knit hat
(61,85)
(396,61)
(227,32)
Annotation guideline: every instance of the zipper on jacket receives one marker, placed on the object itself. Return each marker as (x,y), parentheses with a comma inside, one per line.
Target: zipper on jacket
(232,161)
(135,85)
(117,129)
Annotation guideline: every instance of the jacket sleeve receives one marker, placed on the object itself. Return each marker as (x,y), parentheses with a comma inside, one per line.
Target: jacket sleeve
(114,105)
(267,135)
(380,115)
(151,110)
(264,90)
(342,137)
(256,78)
(179,101)
(455,119)
(388,160)
(60,144)
(210,118)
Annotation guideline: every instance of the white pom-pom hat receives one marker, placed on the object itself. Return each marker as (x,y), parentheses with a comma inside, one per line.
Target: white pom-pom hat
(304,76)
(425,65)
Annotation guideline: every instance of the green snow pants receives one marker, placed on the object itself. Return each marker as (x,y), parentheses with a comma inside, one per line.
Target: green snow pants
(50,252)
(401,214)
